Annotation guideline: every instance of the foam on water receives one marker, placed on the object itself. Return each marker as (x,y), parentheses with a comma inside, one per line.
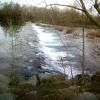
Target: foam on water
(48,38)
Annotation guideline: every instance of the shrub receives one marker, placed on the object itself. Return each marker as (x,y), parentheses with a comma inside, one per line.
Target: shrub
(70,30)
(93,33)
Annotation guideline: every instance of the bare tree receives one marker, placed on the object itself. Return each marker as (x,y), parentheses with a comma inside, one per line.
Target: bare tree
(96,5)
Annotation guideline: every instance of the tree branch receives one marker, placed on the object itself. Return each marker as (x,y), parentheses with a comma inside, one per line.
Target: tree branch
(88,15)
(96,6)
(83,9)
(66,6)
(96,1)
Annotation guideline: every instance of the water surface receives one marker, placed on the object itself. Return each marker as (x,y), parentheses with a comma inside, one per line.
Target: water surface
(46,48)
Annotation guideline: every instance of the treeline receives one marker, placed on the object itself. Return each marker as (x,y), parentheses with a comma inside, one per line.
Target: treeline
(56,16)
(14,14)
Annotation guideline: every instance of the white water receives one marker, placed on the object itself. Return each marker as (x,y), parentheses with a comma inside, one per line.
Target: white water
(51,46)
(49,40)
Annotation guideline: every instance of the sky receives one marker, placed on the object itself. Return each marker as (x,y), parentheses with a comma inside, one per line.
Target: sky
(40,2)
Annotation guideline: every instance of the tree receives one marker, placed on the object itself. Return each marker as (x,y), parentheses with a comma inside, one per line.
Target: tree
(95,4)
(97,8)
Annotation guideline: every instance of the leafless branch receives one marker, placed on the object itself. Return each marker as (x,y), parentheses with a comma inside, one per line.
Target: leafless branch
(88,15)
(96,6)
(83,9)
(66,6)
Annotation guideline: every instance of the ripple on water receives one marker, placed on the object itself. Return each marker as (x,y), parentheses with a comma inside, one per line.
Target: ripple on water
(53,49)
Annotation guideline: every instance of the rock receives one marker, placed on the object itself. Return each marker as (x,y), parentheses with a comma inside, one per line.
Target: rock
(85,96)
(79,79)
(96,77)
(70,30)
(59,28)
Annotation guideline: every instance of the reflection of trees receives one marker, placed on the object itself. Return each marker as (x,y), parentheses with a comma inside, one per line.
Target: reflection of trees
(13,80)
(11,31)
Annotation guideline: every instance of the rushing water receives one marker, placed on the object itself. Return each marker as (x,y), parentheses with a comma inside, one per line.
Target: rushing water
(45,48)
(54,50)
(64,52)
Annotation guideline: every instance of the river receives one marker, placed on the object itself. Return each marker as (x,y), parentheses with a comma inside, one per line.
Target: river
(37,49)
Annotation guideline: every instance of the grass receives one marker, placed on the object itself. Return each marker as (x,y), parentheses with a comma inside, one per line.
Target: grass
(53,88)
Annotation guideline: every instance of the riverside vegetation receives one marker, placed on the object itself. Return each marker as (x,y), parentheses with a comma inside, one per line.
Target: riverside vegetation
(14,14)
(55,88)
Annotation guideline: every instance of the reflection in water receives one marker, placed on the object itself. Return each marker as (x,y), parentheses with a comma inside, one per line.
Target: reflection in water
(23,59)
(16,54)
(7,61)
(11,31)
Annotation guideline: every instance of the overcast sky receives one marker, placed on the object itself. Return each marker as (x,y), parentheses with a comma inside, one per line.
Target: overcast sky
(35,2)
